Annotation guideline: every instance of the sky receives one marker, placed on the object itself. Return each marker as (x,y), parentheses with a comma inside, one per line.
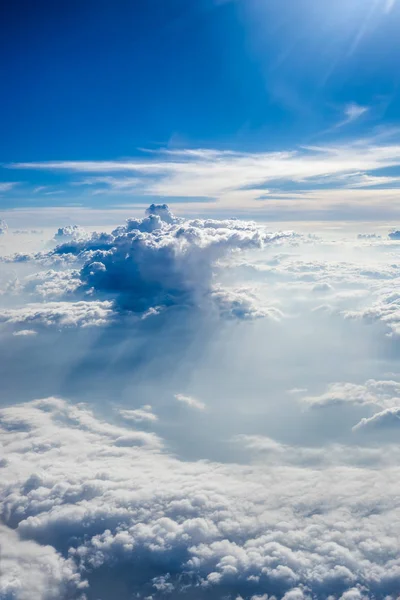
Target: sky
(105,101)
(200,300)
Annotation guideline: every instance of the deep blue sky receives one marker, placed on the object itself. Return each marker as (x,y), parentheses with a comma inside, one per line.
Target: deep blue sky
(97,80)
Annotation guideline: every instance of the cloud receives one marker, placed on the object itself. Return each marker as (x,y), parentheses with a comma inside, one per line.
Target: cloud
(394,235)
(6,186)
(283,502)
(369,236)
(380,393)
(103,503)
(3,227)
(147,265)
(31,571)
(381,421)
(385,308)
(139,415)
(252,181)
(25,332)
(62,314)
(353,112)
(69,233)
(242,303)
(190,401)
(263,448)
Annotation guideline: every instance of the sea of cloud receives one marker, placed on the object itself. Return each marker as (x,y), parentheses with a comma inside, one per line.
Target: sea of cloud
(200,409)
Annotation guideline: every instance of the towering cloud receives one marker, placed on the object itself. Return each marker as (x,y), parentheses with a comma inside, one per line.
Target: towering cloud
(145,266)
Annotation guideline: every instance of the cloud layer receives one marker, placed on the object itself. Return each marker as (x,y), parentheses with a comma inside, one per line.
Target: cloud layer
(107,502)
(204,451)
(345,179)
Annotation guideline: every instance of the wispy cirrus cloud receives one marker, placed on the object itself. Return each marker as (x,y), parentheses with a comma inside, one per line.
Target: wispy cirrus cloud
(352,112)
(6,186)
(285,179)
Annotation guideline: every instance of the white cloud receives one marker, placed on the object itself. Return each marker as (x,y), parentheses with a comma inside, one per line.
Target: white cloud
(63,314)
(72,481)
(139,415)
(380,393)
(144,266)
(69,233)
(354,111)
(240,180)
(243,303)
(386,419)
(384,308)
(296,513)
(30,571)
(190,401)
(25,332)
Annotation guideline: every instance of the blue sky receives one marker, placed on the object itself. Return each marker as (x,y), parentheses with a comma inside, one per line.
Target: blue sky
(101,81)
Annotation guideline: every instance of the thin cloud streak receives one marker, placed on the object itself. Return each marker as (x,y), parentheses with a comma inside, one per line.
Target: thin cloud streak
(241,180)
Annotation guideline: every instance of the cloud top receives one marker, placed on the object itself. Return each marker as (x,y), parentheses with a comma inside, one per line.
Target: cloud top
(144,267)
(96,501)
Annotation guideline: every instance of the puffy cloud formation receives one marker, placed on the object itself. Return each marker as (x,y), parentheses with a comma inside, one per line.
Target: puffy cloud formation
(385,308)
(234,488)
(31,571)
(394,235)
(61,314)
(69,232)
(100,503)
(386,419)
(146,266)
(381,393)
(161,260)
(3,227)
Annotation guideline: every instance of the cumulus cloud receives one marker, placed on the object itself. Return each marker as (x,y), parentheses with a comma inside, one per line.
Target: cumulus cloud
(61,314)
(243,303)
(322,288)
(145,266)
(384,420)
(31,571)
(394,235)
(99,501)
(69,233)
(302,507)
(380,393)
(384,308)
